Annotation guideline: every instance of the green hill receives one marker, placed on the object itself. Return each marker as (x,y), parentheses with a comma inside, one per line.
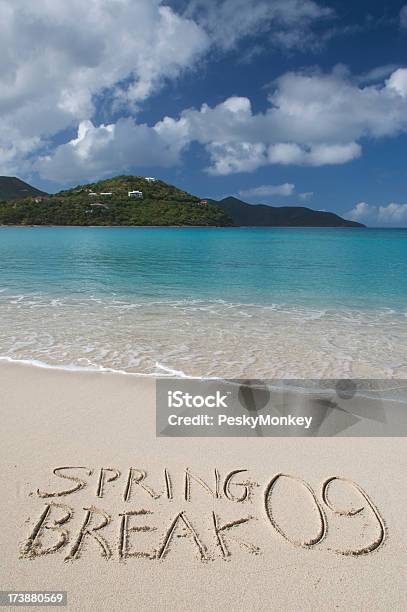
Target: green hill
(108,203)
(13,188)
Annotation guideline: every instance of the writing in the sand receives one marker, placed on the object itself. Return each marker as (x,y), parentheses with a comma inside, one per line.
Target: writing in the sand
(163,510)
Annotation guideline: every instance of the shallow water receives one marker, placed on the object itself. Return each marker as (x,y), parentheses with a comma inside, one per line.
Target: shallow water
(207,302)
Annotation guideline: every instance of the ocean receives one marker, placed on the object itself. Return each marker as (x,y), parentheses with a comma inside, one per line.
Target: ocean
(227,302)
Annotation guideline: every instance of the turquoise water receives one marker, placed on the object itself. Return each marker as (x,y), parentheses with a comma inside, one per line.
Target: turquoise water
(310,267)
(205,301)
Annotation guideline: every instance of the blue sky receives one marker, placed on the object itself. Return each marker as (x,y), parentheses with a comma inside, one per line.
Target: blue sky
(283,102)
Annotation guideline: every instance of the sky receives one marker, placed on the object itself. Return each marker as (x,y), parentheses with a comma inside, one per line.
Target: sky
(280,102)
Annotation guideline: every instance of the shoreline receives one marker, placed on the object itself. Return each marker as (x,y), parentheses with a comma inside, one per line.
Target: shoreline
(208,226)
(296,389)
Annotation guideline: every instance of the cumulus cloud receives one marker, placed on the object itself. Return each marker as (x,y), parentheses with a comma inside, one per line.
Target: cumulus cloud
(264,191)
(229,158)
(108,149)
(359,212)
(313,120)
(59,59)
(59,63)
(56,56)
(391,215)
(332,108)
(314,155)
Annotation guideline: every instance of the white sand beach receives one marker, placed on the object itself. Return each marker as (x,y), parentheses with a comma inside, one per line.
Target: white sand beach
(181,545)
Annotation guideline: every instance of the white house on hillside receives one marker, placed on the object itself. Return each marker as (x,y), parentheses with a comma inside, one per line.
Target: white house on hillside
(150,179)
(135,194)
(106,193)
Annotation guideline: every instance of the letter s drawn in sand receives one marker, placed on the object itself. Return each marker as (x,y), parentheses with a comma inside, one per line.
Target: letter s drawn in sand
(80,484)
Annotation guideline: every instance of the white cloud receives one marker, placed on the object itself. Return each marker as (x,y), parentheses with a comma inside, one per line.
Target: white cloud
(307,195)
(376,74)
(289,22)
(286,153)
(229,158)
(58,59)
(332,108)
(56,56)
(264,191)
(108,149)
(398,82)
(391,215)
(314,155)
(361,211)
(313,119)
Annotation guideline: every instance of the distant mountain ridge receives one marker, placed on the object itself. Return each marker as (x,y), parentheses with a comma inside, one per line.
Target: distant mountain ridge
(262,215)
(13,188)
(108,202)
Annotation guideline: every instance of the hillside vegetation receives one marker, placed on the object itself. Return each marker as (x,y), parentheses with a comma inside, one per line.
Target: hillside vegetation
(108,203)
(161,204)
